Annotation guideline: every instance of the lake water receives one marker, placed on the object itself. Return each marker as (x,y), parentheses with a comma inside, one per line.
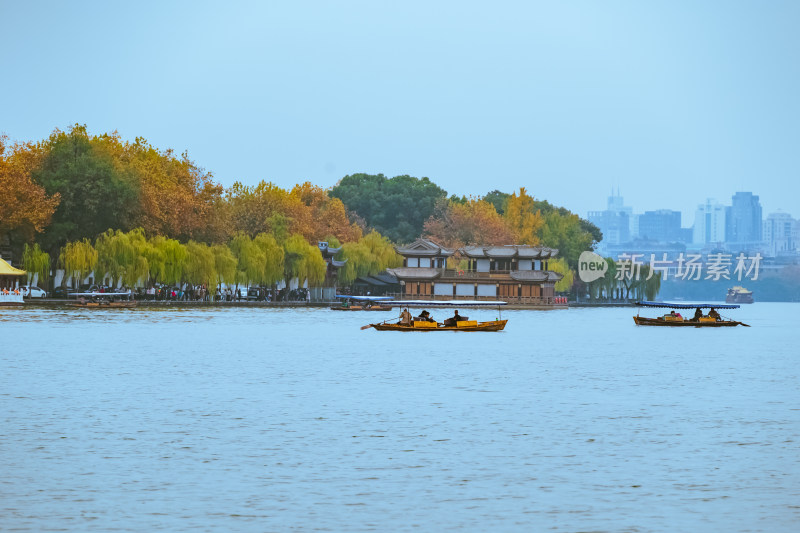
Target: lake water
(255,419)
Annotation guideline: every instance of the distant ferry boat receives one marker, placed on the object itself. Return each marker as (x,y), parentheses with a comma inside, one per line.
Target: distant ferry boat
(739,295)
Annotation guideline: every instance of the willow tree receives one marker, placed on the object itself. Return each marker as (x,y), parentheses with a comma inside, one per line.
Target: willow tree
(224,264)
(200,264)
(273,258)
(36,263)
(155,258)
(121,256)
(560,266)
(250,259)
(372,253)
(359,261)
(174,257)
(78,259)
(303,261)
(652,286)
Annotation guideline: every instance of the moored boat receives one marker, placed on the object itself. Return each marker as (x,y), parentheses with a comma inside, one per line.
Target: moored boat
(104,304)
(362,303)
(673,319)
(103,300)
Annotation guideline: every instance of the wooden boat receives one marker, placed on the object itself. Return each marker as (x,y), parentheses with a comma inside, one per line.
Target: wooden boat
(677,321)
(361,308)
(704,322)
(462,325)
(103,300)
(105,304)
(362,303)
(466,325)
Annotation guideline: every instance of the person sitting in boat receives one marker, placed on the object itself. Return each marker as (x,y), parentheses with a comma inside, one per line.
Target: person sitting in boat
(425,316)
(697,314)
(454,320)
(405,317)
(713,314)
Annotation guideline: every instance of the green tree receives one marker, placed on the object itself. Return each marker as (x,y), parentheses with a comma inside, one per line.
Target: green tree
(36,263)
(372,253)
(561,266)
(200,266)
(396,207)
(566,233)
(498,199)
(120,256)
(303,261)
(250,259)
(225,264)
(78,259)
(170,256)
(273,259)
(96,193)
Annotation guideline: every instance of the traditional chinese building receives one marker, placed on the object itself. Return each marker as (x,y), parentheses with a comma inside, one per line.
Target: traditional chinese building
(10,278)
(513,273)
(328,291)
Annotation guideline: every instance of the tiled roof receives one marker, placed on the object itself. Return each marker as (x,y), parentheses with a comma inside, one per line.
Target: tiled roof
(423,247)
(509,252)
(535,275)
(415,273)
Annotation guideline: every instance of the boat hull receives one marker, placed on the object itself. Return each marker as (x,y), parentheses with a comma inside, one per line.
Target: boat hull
(739,299)
(104,305)
(494,325)
(642,321)
(359,308)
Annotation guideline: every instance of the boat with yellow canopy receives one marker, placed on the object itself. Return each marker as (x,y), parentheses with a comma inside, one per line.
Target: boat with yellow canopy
(423,323)
(698,320)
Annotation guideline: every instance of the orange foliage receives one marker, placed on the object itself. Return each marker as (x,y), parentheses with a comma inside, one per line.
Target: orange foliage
(474,222)
(328,215)
(524,223)
(306,210)
(176,197)
(24,205)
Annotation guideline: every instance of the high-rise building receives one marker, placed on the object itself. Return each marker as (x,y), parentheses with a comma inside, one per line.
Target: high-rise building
(710,223)
(614,222)
(781,233)
(663,225)
(744,220)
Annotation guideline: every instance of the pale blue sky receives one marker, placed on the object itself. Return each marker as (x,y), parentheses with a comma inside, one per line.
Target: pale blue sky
(671,101)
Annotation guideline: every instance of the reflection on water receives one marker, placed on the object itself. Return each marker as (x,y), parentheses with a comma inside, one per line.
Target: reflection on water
(238,419)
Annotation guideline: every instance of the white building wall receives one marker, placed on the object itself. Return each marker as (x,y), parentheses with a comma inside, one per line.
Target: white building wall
(487,290)
(443,289)
(465,289)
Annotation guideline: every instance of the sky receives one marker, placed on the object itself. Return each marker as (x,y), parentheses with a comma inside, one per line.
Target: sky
(671,101)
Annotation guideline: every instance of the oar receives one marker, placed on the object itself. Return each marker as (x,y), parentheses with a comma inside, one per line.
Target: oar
(740,323)
(371,325)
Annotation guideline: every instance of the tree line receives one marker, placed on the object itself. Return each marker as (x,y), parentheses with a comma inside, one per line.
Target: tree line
(154,215)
